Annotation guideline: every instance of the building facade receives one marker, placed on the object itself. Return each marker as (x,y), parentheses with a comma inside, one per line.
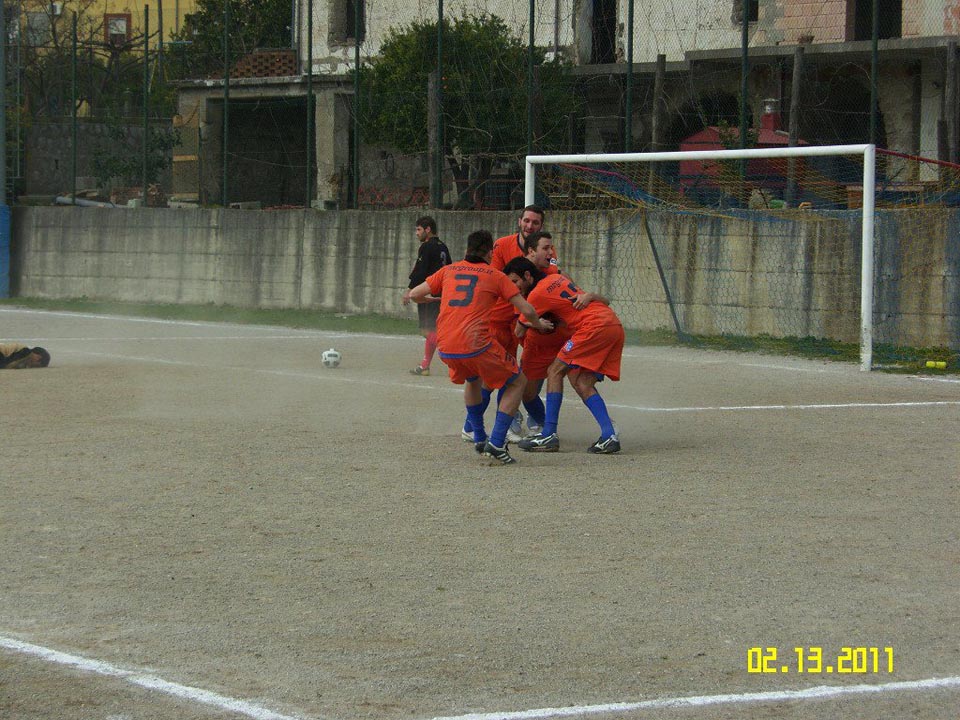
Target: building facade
(687,62)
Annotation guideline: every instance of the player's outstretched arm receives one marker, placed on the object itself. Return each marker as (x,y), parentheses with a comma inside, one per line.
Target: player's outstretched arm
(585,298)
(421,294)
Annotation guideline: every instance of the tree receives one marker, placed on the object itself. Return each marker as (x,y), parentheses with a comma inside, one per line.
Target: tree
(109,74)
(122,158)
(253,24)
(484,94)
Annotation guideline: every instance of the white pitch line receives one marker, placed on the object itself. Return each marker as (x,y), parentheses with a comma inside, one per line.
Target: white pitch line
(125,318)
(642,353)
(258,712)
(327,376)
(339,377)
(139,358)
(795,368)
(144,680)
(814,693)
(940,380)
(812,406)
(306,332)
(165,338)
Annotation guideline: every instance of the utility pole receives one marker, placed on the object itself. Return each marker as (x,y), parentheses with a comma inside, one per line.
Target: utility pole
(3,109)
(226,99)
(146,98)
(310,113)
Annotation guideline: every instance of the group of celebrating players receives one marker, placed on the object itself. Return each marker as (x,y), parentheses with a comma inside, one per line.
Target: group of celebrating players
(505,295)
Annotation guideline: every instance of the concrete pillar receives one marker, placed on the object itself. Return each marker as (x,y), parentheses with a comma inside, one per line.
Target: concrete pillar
(899,100)
(332,146)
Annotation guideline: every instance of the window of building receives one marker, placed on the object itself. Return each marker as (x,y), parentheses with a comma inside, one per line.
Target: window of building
(604,40)
(343,21)
(753,11)
(37,30)
(890,13)
(116,28)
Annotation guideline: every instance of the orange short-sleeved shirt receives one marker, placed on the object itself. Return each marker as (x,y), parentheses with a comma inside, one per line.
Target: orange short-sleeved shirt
(468,291)
(506,249)
(556,293)
(509,247)
(597,337)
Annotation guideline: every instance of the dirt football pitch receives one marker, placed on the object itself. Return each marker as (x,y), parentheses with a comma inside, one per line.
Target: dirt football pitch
(198,521)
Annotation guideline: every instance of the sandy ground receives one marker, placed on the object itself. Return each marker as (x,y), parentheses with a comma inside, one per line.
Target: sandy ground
(205,504)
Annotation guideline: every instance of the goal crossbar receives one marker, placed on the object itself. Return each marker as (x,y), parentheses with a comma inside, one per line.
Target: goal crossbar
(866,151)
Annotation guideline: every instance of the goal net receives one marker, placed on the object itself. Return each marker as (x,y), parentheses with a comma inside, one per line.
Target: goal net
(835,249)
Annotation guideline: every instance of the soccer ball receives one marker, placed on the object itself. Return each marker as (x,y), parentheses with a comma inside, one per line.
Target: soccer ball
(331,358)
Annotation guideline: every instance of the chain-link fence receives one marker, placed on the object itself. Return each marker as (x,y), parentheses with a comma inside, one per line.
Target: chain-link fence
(88,103)
(770,247)
(624,76)
(260,103)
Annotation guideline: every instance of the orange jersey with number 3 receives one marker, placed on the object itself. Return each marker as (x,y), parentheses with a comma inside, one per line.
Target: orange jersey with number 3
(468,291)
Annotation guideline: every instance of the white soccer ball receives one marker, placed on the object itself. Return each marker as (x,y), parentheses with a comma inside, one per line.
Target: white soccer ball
(331,358)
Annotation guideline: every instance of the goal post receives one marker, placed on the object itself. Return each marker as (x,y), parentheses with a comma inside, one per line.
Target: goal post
(722,184)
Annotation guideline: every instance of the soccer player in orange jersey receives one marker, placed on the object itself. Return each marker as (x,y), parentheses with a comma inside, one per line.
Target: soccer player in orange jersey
(539,349)
(509,247)
(464,342)
(505,249)
(595,348)
(503,315)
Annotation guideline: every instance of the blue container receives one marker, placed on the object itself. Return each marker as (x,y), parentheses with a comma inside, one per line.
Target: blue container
(4,251)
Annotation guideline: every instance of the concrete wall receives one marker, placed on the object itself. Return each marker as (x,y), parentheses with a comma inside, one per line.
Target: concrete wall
(48,154)
(783,276)
(347,261)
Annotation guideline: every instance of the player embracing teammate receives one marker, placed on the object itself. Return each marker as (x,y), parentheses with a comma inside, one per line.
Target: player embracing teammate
(569,334)
(593,351)
(502,315)
(465,343)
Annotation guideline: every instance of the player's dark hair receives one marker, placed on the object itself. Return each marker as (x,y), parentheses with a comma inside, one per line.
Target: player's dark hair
(533,241)
(538,209)
(479,243)
(521,265)
(44,356)
(427,223)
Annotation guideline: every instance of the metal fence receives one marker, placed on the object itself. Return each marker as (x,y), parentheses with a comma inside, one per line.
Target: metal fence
(88,104)
(262,103)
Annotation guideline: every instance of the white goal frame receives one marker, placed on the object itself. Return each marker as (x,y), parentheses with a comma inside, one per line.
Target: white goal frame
(868,152)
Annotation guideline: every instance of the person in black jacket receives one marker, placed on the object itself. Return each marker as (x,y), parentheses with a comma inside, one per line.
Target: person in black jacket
(431,256)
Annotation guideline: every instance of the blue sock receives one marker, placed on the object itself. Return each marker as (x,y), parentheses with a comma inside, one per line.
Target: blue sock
(475,418)
(499,435)
(554,399)
(598,408)
(535,409)
(484,403)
